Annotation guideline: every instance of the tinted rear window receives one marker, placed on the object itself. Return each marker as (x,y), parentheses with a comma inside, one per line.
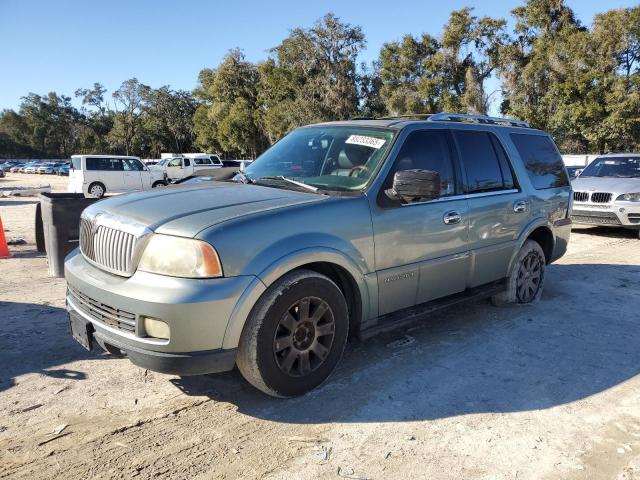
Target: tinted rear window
(108,164)
(542,160)
(485,170)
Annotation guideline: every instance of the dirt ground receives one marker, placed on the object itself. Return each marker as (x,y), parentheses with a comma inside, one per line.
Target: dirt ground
(544,391)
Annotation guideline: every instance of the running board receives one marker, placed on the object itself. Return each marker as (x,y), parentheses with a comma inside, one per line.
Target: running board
(408,316)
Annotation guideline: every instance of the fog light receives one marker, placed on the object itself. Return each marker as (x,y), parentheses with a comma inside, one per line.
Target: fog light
(156,328)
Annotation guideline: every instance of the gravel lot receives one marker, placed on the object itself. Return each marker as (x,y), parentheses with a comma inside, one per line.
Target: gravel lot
(549,390)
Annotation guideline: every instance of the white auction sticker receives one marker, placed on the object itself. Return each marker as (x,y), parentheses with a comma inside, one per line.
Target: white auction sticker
(372,142)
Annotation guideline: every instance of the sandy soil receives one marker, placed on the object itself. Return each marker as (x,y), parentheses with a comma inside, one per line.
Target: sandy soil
(544,391)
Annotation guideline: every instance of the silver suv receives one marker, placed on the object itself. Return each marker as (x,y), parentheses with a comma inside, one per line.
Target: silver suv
(607,192)
(341,228)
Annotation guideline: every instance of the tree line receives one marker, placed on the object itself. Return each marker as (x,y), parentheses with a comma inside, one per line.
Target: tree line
(580,83)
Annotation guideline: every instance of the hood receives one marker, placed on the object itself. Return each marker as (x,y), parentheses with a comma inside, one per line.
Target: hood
(185,210)
(606,184)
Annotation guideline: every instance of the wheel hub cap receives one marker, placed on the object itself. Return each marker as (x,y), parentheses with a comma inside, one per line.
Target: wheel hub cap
(304,336)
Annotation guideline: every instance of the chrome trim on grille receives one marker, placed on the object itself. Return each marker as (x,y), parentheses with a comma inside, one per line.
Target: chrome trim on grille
(106,314)
(112,243)
(580,196)
(601,197)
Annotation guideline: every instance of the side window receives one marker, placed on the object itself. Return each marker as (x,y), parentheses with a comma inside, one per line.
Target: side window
(427,150)
(104,164)
(130,164)
(481,162)
(508,176)
(187,162)
(541,159)
(176,162)
(114,164)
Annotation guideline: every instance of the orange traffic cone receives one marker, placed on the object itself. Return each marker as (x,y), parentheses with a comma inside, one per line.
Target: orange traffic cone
(4,248)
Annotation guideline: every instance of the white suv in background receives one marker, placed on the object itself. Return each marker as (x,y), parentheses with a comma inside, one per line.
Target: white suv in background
(607,192)
(95,175)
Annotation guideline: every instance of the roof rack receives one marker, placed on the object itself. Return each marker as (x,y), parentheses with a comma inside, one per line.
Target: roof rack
(463,117)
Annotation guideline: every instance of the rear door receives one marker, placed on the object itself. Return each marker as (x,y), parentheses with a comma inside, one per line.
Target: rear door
(107,171)
(132,174)
(421,248)
(498,210)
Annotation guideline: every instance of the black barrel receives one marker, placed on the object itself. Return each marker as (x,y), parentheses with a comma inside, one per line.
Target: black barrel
(59,218)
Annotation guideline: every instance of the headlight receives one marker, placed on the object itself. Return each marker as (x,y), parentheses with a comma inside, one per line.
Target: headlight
(631,197)
(180,257)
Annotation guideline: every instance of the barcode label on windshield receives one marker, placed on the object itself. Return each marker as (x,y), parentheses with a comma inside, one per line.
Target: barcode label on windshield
(372,142)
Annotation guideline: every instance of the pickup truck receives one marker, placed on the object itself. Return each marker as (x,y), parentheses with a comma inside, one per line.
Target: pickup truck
(185,166)
(339,229)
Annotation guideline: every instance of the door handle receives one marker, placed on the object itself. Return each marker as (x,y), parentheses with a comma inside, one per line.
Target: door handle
(520,206)
(451,218)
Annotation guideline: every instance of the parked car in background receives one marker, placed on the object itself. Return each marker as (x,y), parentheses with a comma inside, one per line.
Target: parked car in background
(339,228)
(239,164)
(607,192)
(48,169)
(15,169)
(63,169)
(31,169)
(185,166)
(95,175)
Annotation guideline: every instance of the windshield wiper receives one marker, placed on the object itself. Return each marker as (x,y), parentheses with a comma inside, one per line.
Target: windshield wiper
(288,180)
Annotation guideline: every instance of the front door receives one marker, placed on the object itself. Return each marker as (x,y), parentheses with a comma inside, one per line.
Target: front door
(132,174)
(175,169)
(421,248)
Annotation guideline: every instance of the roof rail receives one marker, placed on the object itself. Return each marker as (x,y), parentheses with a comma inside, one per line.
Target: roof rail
(463,117)
(419,116)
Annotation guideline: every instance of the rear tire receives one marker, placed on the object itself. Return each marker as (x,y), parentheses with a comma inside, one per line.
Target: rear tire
(295,335)
(97,190)
(159,183)
(526,279)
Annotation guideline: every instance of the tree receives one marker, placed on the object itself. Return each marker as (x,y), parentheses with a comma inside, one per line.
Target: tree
(408,74)
(129,104)
(227,118)
(98,119)
(311,76)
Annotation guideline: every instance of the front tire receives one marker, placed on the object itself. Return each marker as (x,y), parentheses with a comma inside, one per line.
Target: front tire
(295,335)
(97,190)
(159,183)
(526,279)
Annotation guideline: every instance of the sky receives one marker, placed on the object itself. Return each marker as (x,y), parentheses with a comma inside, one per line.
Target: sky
(64,45)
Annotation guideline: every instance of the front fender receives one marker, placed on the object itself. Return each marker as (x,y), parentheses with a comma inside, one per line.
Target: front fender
(280,267)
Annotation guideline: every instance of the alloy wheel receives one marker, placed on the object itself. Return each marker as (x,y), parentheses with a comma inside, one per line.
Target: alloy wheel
(304,337)
(529,277)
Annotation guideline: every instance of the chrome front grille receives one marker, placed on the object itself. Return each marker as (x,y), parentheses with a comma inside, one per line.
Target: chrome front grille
(580,196)
(114,317)
(601,197)
(111,243)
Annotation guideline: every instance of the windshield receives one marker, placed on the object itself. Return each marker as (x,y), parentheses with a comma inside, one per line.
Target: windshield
(326,157)
(619,167)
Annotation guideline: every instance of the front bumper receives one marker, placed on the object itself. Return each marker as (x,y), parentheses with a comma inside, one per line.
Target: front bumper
(197,312)
(615,214)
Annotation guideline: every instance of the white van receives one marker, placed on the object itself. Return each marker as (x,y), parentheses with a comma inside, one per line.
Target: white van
(95,175)
(187,164)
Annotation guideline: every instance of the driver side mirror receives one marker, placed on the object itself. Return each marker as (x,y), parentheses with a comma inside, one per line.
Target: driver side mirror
(415,185)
